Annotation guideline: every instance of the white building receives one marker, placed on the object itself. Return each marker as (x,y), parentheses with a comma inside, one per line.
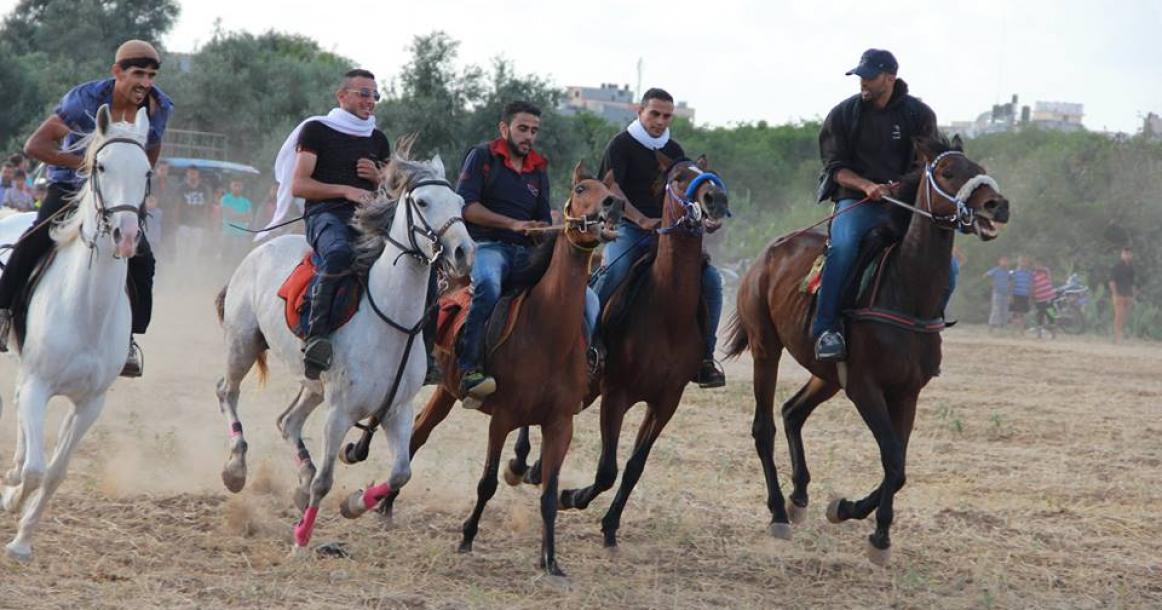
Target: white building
(610,102)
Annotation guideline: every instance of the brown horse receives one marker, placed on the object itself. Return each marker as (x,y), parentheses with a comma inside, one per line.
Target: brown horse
(541,372)
(894,343)
(658,350)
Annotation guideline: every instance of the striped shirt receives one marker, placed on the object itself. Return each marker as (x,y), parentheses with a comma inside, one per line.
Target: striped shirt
(1043,286)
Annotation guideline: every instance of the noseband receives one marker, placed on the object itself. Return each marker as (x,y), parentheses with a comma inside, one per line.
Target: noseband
(690,223)
(424,229)
(964,217)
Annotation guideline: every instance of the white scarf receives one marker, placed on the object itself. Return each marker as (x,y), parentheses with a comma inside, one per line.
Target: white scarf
(284,164)
(638,132)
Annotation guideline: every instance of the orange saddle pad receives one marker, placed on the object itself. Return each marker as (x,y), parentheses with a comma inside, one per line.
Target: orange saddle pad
(294,291)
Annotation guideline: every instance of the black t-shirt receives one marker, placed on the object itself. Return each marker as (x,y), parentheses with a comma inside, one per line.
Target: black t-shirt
(1122,276)
(337,155)
(197,205)
(638,171)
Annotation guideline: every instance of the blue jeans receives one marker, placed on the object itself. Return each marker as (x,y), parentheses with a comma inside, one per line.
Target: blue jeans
(331,237)
(846,232)
(631,243)
(495,262)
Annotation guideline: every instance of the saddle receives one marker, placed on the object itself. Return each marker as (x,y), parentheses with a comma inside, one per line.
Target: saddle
(615,314)
(295,290)
(452,313)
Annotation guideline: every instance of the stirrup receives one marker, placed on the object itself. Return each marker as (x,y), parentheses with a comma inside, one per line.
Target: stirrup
(317,356)
(134,362)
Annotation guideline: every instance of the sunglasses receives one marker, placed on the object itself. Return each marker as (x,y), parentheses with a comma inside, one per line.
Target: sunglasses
(365,93)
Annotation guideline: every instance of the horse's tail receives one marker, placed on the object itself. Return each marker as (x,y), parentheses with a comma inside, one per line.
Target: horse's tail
(220,304)
(737,338)
(260,364)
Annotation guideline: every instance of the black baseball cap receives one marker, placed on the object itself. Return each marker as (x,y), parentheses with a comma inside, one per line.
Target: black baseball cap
(874,61)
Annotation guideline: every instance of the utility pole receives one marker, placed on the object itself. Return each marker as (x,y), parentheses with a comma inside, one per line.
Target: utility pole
(638,93)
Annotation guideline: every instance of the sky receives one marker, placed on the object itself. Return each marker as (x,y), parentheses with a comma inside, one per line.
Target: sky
(743,61)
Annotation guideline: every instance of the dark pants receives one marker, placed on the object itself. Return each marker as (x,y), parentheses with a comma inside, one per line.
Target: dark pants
(331,237)
(35,244)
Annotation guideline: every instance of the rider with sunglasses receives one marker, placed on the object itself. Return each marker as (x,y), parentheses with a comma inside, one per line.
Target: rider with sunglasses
(336,167)
(135,66)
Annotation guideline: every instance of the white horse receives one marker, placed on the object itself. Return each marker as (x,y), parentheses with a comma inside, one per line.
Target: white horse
(78,319)
(415,221)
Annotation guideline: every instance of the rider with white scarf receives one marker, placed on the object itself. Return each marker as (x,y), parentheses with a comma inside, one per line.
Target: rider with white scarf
(639,158)
(336,161)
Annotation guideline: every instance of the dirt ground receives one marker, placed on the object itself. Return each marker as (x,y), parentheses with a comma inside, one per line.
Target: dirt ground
(1034,480)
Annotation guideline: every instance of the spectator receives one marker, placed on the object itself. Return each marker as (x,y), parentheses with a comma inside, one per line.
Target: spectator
(195,215)
(1001,277)
(18,196)
(155,216)
(1022,290)
(1123,290)
(1043,295)
(237,211)
(6,176)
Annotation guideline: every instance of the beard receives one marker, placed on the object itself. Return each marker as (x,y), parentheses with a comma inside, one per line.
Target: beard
(520,149)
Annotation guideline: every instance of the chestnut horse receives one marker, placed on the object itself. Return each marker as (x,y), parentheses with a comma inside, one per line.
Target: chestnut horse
(660,347)
(893,341)
(540,370)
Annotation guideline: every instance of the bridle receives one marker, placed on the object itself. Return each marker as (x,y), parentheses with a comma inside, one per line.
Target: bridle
(690,223)
(423,229)
(104,212)
(583,224)
(964,217)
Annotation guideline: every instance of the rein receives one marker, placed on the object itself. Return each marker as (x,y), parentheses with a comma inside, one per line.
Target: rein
(412,248)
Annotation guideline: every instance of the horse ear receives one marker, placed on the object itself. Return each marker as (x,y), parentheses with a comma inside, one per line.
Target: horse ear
(438,163)
(957,144)
(608,179)
(923,146)
(141,123)
(702,162)
(578,172)
(103,119)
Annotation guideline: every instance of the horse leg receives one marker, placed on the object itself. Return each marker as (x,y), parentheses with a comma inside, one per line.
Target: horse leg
(12,477)
(73,428)
(518,466)
(339,421)
(613,406)
(795,414)
(652,424)
(434,412)
(241,354)
(290,423)
(30,410)
(554,445)
(873,407)
(397,425)
(766,372)
(498,429)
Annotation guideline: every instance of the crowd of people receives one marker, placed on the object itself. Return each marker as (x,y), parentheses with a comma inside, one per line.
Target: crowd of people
(1023,296)
(17,190)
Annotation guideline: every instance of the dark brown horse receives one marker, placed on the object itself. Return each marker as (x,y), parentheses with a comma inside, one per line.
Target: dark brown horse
(888,363)
(658,350)
(541,371)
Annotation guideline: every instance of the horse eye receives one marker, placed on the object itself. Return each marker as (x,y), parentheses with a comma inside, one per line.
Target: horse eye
(947,175)
(579,189)
(421,203)
(100,167)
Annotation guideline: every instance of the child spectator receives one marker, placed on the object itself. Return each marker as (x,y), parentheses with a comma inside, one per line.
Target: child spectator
(1022,289)
(18,196)
(1043,295)
(1001,277)
(237,211)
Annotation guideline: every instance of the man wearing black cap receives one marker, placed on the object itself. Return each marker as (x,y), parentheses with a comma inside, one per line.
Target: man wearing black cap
(866,144)
(131,87)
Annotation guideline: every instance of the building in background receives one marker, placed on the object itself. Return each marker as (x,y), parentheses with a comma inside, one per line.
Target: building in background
(1152,127)
(615,104)
(1057,116)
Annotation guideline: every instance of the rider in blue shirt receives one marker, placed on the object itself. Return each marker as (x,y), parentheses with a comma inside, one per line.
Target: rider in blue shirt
(131,88)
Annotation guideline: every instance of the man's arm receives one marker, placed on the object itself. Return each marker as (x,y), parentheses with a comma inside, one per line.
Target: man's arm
(849,179)
(303,185)
(44,144)
(477,214)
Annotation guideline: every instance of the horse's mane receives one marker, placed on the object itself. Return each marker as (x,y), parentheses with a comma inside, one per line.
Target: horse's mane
(538,264)
(910,182)
(373,220)
(68,228)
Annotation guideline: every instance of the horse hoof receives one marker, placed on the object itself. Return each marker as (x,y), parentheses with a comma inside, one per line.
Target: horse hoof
(797,514)
(18,552)
(510,476)
(11,499)
(782,531)
(300,553)
(833,511)
(880,557)
(234,476)
(557,581)
(464,548)
(302,498)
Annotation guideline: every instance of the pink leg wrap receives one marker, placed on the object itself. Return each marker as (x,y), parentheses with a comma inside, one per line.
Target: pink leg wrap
(374,494)
(304,528)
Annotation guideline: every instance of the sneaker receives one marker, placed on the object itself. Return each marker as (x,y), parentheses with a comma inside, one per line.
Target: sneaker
(5,328)
(134,364)
(830,347)
(317,356)
(710,376)
(476,384)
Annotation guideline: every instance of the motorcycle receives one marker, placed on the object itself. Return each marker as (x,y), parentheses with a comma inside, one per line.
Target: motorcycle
(1069,305)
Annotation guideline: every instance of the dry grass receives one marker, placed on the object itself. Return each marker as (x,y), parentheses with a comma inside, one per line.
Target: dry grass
(1034,480)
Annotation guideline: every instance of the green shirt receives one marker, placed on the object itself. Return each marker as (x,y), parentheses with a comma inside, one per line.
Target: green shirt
(235,211)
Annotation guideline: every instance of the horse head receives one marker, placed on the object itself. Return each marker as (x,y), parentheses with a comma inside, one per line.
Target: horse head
(700,191)
(592,205)
(956,189)
(118,173)
(421,211)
